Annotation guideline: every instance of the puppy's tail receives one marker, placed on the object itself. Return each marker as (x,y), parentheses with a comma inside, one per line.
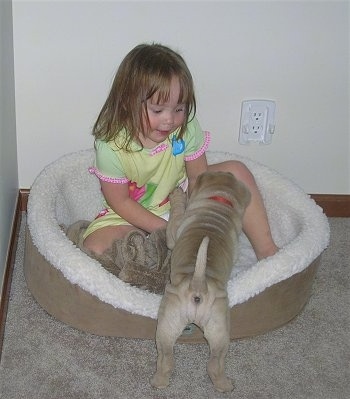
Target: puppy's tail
(198,284)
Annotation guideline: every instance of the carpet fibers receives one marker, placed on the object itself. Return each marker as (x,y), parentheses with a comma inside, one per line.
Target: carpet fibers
(307,359)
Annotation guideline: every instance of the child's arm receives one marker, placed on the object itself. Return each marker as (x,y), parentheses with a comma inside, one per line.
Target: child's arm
(194,168)
(117,196)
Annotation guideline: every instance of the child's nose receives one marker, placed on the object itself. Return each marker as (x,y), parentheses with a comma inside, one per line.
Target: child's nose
(169,117)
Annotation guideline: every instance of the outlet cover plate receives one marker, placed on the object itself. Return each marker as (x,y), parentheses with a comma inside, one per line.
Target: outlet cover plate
(257,121)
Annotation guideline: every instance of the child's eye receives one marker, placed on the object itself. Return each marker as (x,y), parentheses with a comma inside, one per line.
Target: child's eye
(156,110)
(180,109)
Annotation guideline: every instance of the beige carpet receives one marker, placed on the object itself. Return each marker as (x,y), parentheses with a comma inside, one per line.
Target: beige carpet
(307,359)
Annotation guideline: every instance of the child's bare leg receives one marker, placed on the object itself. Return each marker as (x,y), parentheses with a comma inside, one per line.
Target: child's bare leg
(255,222)
(100,240)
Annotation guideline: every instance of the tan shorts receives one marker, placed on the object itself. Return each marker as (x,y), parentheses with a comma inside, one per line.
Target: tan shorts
(107,217)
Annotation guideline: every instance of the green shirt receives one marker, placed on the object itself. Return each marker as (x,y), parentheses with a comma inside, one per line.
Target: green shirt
(152,174)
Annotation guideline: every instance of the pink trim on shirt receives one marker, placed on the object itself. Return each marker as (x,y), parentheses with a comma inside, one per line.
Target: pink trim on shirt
(202,150)
(158,149)
(107,179)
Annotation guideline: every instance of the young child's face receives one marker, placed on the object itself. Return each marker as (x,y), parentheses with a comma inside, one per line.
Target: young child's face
(164,118)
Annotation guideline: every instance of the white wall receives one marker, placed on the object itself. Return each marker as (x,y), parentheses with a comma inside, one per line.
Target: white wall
(8,150)
(296,53)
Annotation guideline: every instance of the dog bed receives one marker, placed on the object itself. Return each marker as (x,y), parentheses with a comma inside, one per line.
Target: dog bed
(78,291)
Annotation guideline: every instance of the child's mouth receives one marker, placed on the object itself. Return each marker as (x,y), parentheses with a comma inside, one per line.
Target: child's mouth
(164,132)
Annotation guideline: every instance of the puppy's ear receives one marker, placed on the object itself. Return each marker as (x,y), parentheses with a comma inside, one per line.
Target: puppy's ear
(178,201)
(242,194)
(199,183)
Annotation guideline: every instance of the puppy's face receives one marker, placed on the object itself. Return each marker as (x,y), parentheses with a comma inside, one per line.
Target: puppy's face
(221,184)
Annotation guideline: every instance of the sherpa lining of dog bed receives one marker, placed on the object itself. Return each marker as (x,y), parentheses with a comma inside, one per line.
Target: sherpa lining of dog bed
(65,192)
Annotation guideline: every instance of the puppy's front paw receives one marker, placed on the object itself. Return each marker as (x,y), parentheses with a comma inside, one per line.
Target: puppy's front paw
(177,196)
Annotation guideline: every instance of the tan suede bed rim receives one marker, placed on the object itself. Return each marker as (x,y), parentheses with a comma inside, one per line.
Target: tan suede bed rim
(272,308)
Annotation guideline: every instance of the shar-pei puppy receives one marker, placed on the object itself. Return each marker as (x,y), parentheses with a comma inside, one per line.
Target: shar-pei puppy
(204,238)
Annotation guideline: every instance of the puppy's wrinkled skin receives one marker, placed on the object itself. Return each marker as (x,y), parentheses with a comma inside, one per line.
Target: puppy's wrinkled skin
(204,238)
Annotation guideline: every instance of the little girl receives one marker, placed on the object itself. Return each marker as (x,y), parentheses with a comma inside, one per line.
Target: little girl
(148,141)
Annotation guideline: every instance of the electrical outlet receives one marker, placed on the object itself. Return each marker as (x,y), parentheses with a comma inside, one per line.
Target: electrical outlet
(257,121)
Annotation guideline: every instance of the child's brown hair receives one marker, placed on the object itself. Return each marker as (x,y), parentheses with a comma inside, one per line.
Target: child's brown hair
(146,70)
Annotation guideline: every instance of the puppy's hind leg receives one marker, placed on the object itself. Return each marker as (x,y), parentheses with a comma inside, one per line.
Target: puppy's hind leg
(169,328)
(217,334)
